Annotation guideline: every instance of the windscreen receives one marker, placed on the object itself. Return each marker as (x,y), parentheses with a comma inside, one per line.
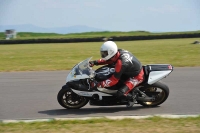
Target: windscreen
(83,68)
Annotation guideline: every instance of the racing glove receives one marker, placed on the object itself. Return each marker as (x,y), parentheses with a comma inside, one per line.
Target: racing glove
(92,63)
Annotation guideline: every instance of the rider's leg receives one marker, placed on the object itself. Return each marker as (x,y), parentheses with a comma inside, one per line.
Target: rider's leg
(130,84)
(122,92)
(133,82)
(126,97)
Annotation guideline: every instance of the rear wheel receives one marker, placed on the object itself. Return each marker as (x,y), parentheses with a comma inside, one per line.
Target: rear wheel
(158,91)
(70,100)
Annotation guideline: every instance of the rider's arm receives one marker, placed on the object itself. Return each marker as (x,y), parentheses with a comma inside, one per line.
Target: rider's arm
(119,69)
(99,62)
(103,62)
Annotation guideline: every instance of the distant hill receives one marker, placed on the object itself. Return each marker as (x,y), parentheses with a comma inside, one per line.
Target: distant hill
(60,30)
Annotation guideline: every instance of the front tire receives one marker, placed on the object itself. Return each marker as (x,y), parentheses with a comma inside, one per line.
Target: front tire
(70,100)
(157,90)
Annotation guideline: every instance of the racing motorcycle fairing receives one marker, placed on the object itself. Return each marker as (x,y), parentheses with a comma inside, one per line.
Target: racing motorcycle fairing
(82,88)
(77,91)
(81,71)
(81,74)
(91,93)
(79,77)
(156,72)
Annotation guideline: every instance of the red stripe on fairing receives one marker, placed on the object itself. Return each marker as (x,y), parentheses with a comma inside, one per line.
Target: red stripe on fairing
(118,66)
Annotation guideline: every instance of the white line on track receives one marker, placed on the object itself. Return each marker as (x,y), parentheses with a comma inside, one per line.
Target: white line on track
(107,117)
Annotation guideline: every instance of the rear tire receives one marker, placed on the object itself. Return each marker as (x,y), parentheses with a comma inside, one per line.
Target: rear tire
(70,100)
(161,96)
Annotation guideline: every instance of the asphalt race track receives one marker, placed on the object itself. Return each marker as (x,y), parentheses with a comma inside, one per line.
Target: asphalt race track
(32,95)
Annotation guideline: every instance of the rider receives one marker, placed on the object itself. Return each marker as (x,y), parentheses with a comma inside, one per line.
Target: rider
(126,64)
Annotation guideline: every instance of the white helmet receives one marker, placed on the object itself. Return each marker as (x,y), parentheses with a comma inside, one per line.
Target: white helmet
(108,50)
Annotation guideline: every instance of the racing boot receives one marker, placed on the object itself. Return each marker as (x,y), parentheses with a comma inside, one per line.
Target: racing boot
(130,97)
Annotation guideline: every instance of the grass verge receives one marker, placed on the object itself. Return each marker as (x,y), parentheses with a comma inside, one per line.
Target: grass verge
(38,57)
(154,124)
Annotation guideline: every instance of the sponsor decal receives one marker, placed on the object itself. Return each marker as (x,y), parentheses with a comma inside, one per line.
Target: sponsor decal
(133,81)
(107,71)
(112,70)
(106,83)
(128,57)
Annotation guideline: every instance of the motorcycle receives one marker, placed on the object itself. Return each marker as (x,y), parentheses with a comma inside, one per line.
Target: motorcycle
(77,91)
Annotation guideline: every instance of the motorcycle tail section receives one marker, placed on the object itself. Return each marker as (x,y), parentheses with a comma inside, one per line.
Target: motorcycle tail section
(156,72)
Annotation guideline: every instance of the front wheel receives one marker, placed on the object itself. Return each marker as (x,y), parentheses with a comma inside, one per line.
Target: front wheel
(70,100)
(158,91)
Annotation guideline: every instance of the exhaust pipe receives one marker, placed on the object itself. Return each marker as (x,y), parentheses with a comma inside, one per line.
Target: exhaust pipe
(146,99)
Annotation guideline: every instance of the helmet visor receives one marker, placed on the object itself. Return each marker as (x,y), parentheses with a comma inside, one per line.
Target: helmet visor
(104,54)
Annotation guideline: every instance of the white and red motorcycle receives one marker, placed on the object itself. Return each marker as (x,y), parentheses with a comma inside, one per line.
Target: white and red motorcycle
(76,93)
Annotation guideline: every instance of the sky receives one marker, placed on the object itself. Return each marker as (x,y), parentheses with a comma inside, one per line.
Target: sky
(110,15)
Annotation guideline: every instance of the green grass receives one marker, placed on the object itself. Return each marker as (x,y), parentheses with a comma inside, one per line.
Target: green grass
(29,35)
(150,125)
(38,57)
